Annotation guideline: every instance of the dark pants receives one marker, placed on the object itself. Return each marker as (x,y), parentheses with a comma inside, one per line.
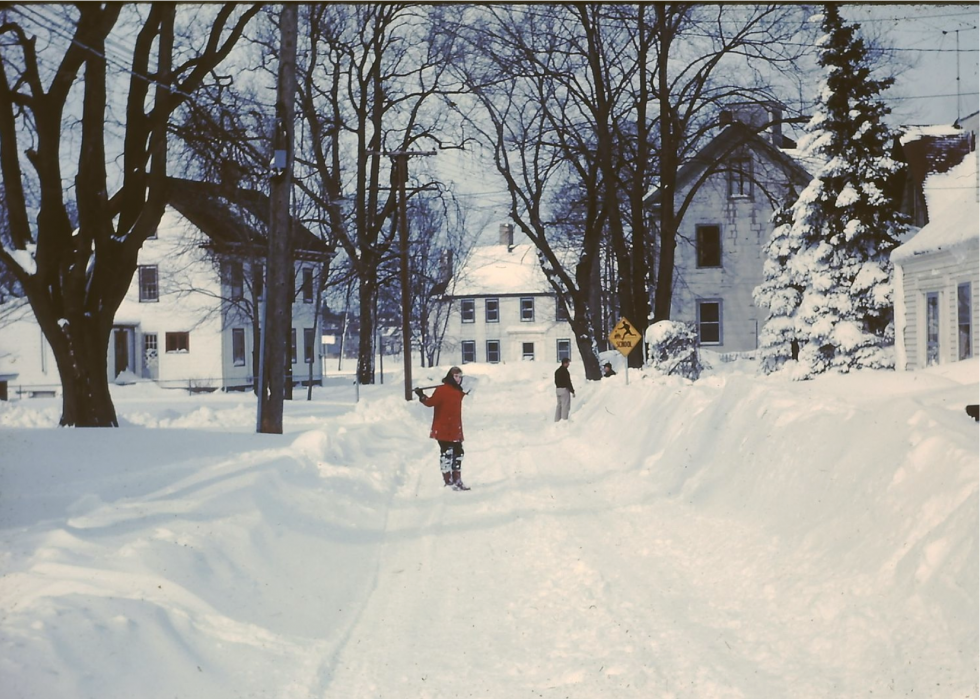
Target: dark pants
(450,456)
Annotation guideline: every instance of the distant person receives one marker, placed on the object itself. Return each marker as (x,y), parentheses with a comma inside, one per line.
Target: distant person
(447,425)
(607,370)
(563,390)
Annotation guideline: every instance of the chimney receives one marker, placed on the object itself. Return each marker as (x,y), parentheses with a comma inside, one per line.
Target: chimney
(724,118)
(776,130)
(446,266)
(507,235)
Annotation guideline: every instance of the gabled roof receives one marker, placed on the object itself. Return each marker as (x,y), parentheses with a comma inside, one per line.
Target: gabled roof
(954,213)
(492,270)
(236,218)
(933,149)
(733,136)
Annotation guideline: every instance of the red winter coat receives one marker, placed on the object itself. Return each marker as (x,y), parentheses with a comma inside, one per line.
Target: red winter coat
(447,421)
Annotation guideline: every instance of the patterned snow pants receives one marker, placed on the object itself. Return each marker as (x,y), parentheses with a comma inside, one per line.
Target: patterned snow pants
(450,456)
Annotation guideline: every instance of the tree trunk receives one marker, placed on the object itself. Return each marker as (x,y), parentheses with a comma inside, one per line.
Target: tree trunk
(367,297)
(80,351)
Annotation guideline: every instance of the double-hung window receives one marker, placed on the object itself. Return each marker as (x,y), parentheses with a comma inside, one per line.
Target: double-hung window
(238,346)
(493,351)
(467,310)
(709,322)
(236,280)
(932,328)
(708,241)
(469,351)
(258,280)
(149,288)
(964,316)
(307,285)
(492,311)
(527,309)
(309,346)
(561,311)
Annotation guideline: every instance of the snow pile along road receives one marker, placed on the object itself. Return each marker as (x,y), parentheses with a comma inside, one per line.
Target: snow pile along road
(736,537)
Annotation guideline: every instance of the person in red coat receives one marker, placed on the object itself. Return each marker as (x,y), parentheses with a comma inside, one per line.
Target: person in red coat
(447,425)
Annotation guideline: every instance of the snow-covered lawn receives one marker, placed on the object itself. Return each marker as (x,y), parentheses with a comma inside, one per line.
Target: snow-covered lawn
(736,537)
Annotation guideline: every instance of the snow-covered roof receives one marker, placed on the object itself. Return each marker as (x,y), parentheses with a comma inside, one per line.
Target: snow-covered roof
(955,214)
(501,269)
(809,162)
(914,133)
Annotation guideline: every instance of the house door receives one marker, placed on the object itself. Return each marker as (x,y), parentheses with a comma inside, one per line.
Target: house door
(151,356)
(932,328)
(121,344)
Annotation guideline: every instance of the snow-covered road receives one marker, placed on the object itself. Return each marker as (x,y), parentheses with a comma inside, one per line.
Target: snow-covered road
(736,537)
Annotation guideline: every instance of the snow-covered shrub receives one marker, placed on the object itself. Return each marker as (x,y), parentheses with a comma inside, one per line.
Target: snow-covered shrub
(673,349)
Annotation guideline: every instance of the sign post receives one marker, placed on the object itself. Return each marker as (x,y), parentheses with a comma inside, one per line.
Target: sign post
(625,338)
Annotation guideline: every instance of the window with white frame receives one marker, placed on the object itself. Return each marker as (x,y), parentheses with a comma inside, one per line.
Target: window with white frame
(561,311)
(308,345)
(964,316)
(493,351)
(467,310)
(178,342)
(492,311)
(932,328)
(236,280)
(149,288)
(564,349)
(307,285)
(527,309)
(469,351)
(709,322)
(238,346)
(258,280)
(527,351)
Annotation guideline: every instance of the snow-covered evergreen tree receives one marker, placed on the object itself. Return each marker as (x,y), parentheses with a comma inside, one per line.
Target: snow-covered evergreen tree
(780,292)
(844,226)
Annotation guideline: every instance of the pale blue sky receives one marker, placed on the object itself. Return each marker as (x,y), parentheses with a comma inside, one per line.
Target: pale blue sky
(926,35)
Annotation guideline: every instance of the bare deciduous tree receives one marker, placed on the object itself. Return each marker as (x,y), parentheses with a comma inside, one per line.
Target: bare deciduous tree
(370,79)
(75,278)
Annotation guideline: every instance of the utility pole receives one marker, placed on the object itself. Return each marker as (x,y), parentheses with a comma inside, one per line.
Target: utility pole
(400,163)
(277,321)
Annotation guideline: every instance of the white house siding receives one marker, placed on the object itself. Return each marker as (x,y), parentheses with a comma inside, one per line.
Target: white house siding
(190,293)
(26,359)
(939,271)
(745,228)
(544,331)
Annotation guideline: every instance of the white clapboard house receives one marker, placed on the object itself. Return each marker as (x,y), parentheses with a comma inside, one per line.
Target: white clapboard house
(937,272)
(502,308)
(190,317)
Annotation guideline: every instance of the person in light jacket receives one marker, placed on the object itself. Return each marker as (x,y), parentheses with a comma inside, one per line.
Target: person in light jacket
(563,390)
(447,425)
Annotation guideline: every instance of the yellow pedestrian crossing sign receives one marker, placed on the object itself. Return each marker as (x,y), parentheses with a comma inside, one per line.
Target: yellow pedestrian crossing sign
(624,336)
